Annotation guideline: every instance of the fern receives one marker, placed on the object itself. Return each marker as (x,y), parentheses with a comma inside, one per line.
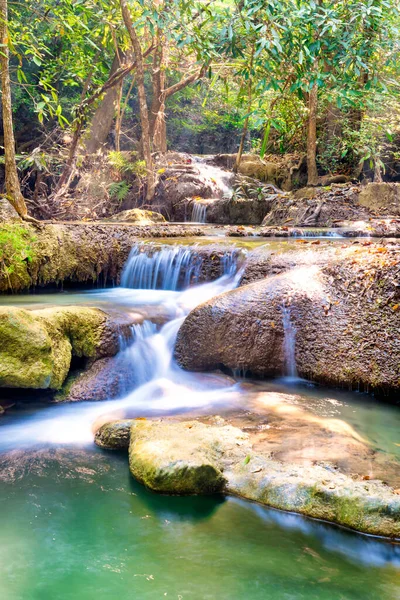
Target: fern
(119,190)
(123,162)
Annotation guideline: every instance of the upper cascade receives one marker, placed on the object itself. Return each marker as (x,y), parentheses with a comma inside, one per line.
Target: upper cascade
(169,267)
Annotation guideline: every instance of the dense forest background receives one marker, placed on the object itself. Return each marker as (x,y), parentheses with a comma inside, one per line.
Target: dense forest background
(116,82)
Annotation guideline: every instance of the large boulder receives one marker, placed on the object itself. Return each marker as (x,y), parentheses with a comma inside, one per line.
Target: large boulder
(337,320)
(180,458)
(36,347)
(381,198)
(317,207)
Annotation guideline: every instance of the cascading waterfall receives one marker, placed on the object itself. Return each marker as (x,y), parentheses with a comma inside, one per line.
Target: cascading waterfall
(220,180)
(199,212)
(289,343)
(149,378)
(169,267)
(166,268)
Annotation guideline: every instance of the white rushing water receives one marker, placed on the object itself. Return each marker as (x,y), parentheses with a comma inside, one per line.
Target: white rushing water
(221,181)
(199,212)
(289,343)
(160,384)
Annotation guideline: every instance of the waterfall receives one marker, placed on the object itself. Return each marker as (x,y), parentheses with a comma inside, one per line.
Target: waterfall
(168,267)
(289,343)
(199,212)
(221,181)
(148,377)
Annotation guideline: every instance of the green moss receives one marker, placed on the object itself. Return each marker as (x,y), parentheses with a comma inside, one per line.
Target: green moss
(16,252)
(36,347)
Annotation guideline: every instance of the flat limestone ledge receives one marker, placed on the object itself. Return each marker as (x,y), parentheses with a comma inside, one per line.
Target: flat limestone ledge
(75,252)
(190,457)
(368,506)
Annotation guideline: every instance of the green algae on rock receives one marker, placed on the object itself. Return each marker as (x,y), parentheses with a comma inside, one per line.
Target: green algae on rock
(196,458)
(36,347)
(180,458)
(115,435)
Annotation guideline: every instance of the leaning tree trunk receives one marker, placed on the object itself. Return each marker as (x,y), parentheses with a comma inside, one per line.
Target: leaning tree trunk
(312,137)
(103,117)
(13,188)
(144,113)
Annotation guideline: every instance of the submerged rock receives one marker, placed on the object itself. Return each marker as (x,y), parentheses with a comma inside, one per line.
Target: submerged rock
(36,347)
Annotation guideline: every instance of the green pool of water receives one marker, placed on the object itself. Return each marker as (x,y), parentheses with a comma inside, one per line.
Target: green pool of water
(75,526)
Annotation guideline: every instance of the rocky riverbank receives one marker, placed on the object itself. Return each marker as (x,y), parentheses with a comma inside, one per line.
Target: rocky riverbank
(275,452)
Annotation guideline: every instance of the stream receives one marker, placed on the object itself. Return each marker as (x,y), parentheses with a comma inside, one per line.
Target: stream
(76,526)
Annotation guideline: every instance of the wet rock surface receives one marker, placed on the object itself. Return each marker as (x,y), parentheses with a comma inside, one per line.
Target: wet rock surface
(115,435)
(276,453)
(37,346)
(344,309)
(181,458)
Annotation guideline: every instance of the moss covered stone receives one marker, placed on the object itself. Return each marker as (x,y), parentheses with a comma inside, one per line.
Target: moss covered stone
(180,458)
(36,347)
(115,435)
(196,458)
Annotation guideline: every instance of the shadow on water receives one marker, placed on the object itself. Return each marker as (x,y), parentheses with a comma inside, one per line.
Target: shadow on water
(178,508)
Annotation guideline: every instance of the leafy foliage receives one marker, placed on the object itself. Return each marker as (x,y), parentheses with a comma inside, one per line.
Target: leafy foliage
(16,248)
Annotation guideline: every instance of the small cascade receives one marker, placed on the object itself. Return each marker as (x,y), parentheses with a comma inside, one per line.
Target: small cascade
(149,268)
(317,233)
(170,268)
(135,351)
(199,212)
(221,181)
(289,343)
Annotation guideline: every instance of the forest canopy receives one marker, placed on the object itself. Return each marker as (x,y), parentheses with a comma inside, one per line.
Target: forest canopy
(85,79)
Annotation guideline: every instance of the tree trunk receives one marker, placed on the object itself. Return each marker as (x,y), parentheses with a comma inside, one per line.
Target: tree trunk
(246,122)
(144,113)
(104,115)
(312,137)
(158,130)
(13,188)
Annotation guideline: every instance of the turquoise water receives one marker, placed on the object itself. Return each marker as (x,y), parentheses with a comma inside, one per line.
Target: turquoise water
(76,526)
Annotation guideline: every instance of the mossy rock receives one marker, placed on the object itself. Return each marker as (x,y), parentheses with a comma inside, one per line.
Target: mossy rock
(115,435)
(36,347)
(179,458)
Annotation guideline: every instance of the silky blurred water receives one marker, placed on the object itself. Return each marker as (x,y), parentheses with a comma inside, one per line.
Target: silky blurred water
(76,526)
